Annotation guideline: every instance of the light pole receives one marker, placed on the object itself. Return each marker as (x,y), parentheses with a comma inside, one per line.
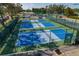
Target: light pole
(47,10)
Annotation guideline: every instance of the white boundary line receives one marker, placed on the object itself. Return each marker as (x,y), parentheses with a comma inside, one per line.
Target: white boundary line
(53,36)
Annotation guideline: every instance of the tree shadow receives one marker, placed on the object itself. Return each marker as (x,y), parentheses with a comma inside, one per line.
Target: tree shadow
(6,32)
(10,47)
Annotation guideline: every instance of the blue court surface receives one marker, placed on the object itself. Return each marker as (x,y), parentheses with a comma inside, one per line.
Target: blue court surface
(28,38)
(46,23)
(32,38)
(26,24)
(60,33)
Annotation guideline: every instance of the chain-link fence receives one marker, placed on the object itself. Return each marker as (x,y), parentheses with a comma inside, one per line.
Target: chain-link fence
(72,24)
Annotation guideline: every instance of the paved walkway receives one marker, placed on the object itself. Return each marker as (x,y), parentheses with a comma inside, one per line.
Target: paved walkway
(65,51)
(70,51)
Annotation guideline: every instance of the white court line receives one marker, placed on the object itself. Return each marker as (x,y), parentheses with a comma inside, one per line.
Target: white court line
(53,36)
(41,24)
(35,25)
(34,20)
(43,37)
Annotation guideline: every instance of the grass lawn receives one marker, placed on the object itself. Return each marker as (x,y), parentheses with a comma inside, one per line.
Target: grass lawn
(1,27)
(6,23)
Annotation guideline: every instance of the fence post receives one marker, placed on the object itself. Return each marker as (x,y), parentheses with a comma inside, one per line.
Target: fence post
(77,38)
(65,41)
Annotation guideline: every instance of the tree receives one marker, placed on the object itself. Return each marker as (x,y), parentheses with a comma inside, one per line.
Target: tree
(28,10)
(13,9)
(56,8)
(39,10)
(1,14)
(69,12)
(10,8)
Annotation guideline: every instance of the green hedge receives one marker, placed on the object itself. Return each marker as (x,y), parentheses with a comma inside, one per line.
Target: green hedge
(74,17)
